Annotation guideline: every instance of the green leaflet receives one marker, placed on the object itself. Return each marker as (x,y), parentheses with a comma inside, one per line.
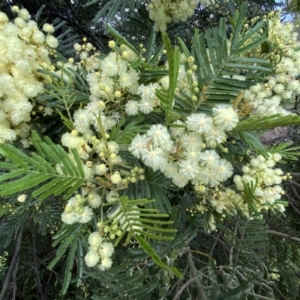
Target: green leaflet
(69,267)
(66,236)
(125,130)
(38,171)
(135,220)
(285,151)
(166,97)
(267,122)
(148,249)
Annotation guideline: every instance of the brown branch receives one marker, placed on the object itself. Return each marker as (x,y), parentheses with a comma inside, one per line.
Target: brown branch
(276,289)
(189,282)
(14,280)
(13,265)
(194,271)
(283,235)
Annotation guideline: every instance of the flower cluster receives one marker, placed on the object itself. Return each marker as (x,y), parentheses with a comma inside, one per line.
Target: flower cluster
(180,152)
(112,77)
(24,49)
(266,98)
(163,12)
(78,208)
(99,250)
(218,201)
(262,174)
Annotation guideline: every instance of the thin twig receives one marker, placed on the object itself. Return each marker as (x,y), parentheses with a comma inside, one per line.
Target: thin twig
(214,245)
(283,235)
(14,279)
(38,280)
(177,282)
(183,287)
(260,297)
(13,265)
(232,248)
(276,289)
(194,271)
(294,183)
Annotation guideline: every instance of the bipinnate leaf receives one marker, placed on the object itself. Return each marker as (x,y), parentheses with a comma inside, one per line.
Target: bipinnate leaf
(38,171)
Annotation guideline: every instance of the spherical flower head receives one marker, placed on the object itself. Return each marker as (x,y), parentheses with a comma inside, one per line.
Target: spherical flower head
(159,135)
(22,198)
(146,106)
(20,23)
(278,88)
(69,218)
(24,14)
(82,120)
(209,157)
(207,176)
(109,66)
(95,239)
(113,147)
(106,263)
(192,154)
(225,117)
(48,28)
(129,79)
(169,169)
(116,178)
(15,8)
(154,158)
(112,196)
(111,44)
(86,215)
(223,170)
(38,37)
(132,108)
(71,141)
(138,145)
(94,200)
(191,140)
(106,250)
(101,169)
(51,41)
(215,136)
(179,180)
(91,258)
(177,129)
(199,123)
(77,47)
(189,169)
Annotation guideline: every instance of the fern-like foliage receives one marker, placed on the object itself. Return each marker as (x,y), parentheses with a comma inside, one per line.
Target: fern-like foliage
(141,223)
(121,284)
(23,172)
(64,92)
(287,152)
(154,186)
(166,97)
(137,221)
(267,122)
(113,8)
(125,130)
(219,59)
